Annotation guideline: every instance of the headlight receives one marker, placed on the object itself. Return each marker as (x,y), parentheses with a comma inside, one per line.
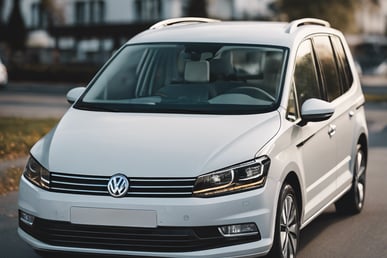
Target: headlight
(245,176)
(37,174)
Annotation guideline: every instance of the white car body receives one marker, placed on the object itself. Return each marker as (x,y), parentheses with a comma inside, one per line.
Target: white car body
(315,158)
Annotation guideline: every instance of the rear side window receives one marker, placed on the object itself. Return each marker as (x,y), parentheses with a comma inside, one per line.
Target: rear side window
(325,54)
(344,69)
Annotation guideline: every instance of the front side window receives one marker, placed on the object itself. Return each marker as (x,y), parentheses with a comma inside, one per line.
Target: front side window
(305,75)
(189,78)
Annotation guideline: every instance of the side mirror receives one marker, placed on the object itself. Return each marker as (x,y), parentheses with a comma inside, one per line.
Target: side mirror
(74,94)
(316,110)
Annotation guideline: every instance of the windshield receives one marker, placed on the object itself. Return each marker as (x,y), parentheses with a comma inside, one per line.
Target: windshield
(188,78)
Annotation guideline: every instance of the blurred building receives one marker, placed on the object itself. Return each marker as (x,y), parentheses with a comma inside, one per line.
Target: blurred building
(90,30)
(241,9)
(369,46)
(85,30)
(372,17)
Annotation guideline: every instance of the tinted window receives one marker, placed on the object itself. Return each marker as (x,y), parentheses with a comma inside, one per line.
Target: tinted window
(305,76)
(345,71)
(324,51)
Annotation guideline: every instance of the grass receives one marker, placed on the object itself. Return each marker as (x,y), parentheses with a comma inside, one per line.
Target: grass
(9,180)
(17,136)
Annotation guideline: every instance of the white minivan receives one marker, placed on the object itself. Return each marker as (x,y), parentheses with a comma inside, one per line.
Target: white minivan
(202,138)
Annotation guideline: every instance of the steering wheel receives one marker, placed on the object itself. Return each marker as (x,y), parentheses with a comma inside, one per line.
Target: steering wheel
(254,92)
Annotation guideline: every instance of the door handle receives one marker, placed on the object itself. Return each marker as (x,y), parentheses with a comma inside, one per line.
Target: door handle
(332,130)
(351,114)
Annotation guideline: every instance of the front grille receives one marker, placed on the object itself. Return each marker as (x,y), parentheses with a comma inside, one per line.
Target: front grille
(161,239)
(139,187)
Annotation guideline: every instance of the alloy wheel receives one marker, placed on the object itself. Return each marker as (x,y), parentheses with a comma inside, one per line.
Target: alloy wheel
(360,178)
(289,227)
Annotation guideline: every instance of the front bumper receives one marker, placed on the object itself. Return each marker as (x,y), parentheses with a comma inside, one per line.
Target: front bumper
(188,225)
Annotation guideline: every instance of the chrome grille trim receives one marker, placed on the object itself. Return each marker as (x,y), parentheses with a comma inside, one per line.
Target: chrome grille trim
(80,177)
(161,193)
(161,187)
(67,183)
(162,179)
(58,189)
(139,187)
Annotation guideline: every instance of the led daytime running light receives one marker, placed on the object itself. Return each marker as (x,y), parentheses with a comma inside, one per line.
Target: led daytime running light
(248,175)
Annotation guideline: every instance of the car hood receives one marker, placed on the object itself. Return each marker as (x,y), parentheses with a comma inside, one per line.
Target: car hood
(152,145)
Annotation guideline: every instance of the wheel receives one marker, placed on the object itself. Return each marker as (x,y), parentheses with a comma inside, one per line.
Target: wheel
(353,201)
(287,225)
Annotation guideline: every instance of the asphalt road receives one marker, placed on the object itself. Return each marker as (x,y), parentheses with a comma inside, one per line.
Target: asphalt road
(330,235)
(37,100)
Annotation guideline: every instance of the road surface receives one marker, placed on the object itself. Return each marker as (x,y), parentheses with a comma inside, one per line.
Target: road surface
(34,100)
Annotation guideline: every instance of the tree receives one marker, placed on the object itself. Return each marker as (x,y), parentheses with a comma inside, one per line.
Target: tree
(53,11)
(340,13)
(16,29)
(197,8)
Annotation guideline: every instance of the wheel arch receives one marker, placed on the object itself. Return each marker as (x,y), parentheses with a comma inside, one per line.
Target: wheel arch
(364,145)
(294,181)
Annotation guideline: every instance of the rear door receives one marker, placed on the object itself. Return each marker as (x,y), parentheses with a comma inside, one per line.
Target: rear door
(346,123)
(341,126)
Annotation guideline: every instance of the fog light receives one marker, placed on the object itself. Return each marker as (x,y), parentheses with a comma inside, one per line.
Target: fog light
(27,218)
(239,230)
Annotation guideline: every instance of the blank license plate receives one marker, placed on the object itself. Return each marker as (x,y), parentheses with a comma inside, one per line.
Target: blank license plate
(114,217)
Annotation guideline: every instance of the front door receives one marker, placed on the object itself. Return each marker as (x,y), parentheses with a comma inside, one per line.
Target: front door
(317,143)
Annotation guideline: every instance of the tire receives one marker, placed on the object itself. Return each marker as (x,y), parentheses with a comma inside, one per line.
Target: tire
(287,225)
(353,201)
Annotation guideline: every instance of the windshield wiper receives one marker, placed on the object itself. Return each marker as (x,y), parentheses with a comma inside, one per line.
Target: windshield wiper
(93,107)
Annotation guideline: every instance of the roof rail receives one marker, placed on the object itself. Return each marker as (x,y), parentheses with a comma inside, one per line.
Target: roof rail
(305,21)
(169,22)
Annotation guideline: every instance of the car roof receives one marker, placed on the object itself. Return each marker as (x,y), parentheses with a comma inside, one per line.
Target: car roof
(237,32)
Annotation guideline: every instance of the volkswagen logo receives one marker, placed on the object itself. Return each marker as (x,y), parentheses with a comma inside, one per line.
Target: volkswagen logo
(118,185)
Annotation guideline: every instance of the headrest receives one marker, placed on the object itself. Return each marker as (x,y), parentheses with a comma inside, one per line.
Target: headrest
(197,71)
(273,64)
(222,66)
